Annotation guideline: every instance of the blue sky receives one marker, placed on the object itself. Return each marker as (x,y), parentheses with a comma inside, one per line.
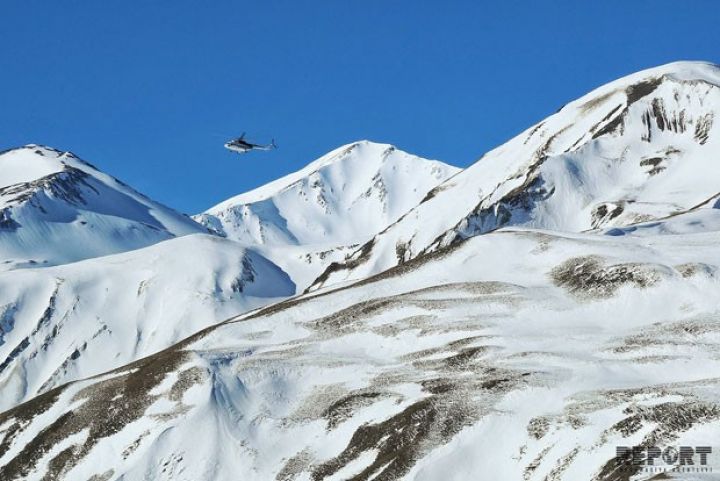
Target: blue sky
(149,90)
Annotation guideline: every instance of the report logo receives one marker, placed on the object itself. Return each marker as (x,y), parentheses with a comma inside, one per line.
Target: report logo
(656,459)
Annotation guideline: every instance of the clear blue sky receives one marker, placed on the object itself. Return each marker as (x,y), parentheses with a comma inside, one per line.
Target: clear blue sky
(149,90)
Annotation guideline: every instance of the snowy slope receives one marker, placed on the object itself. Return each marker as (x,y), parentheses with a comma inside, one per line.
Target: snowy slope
(321,213)
(55,208)
(343,197)
(515,355)
(640,148)
(72,321)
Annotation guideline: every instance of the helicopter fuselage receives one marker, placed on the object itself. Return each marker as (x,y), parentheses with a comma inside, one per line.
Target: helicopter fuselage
(239,147)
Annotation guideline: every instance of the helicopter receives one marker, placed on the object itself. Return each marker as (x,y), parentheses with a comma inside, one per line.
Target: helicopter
(241,146)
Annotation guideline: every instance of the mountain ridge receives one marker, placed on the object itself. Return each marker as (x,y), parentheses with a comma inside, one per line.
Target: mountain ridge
(592,164)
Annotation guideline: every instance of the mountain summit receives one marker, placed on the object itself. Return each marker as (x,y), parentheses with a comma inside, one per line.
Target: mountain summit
(319,214)
(638,149)
(341,198)
(56,208)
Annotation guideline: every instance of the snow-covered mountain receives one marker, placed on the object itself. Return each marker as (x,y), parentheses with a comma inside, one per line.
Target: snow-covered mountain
(640,148)
(78,319)
(67,322)
(515,355)
(519,320)
(321,213)
(342,198)
(56,208)
(94,275)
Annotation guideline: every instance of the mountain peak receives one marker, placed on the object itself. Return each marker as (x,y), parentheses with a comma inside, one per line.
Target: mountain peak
(329,200)
(339,200)
(29,163)
(681,70)
(38,149)
(640,83)
(363,152)
(49,197)
(638,149)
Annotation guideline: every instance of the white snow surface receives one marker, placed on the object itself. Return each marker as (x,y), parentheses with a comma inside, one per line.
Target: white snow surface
(78,319)
(63,323)
(487,361)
